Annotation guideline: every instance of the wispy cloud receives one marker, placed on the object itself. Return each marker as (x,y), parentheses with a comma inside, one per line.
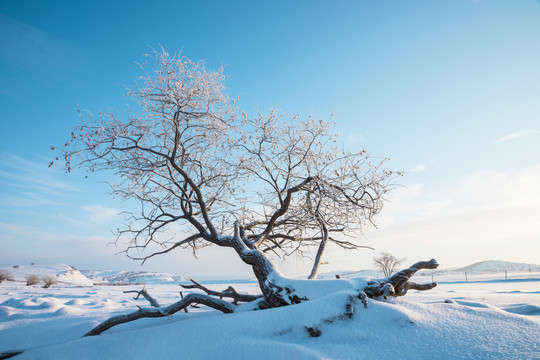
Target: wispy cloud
(29,183)
(420,167)
(99,213)
(486,214)
(24,46)
(517,135)
(478,191)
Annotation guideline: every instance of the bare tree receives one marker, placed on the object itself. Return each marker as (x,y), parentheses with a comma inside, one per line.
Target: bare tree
(5,276)
(197,164)
(32,280)
(387,263)
(49,280)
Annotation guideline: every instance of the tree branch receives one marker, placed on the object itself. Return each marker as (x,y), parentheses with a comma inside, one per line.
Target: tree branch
(189,299)
(145,294)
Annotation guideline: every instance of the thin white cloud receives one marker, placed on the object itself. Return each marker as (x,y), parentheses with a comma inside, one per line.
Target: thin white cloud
(486,214)
(100,214)
(27,47)
(29,183)
(31,174)
(482,190)
(517,135)
(420,167)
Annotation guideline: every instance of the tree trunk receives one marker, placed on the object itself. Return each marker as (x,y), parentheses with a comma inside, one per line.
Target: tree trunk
(266,273)
(317,263)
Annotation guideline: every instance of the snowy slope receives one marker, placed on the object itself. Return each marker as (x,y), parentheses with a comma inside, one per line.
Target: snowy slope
(65,274)
(133,277)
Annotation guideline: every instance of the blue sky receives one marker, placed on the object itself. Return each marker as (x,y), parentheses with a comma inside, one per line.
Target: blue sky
(447,90)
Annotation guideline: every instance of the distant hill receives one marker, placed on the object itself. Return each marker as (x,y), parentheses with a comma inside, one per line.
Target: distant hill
(64,273)
(69,275)
(497,266)
(488,266)
(133,277)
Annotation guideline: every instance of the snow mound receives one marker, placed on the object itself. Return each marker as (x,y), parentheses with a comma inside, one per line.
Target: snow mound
(524,309)
(69,311)
(74,277)
(51,304)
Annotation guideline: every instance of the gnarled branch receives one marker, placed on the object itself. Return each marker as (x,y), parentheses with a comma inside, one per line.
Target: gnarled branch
(398,284)
(146,295)
(189,299)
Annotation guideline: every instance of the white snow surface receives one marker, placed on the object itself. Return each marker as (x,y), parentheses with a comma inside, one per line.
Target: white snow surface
(484,318)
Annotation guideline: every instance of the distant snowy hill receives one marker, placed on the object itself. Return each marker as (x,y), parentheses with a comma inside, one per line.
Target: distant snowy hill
(497,266)
(132,277)
(69,275)
(488,266)
(65,274)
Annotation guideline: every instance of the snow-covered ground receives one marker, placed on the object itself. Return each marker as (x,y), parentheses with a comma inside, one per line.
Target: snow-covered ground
(486,317)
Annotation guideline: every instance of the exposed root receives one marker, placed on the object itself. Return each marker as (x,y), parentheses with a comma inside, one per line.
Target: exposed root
(398,284)
(315,331)
(189,299)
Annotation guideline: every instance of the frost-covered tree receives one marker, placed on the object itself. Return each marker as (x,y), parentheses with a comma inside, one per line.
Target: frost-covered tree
(5,276)
(195,163)
(32,280)
(387,263)
(49,280)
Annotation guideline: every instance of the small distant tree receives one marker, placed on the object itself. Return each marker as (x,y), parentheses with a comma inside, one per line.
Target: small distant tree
(49,280)
(5,276)
(387,263)
(32,280)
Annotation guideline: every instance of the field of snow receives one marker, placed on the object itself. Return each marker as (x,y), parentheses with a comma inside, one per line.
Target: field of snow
(486,317)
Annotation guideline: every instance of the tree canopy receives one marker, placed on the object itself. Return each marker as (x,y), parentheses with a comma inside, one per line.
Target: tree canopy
(192,159)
